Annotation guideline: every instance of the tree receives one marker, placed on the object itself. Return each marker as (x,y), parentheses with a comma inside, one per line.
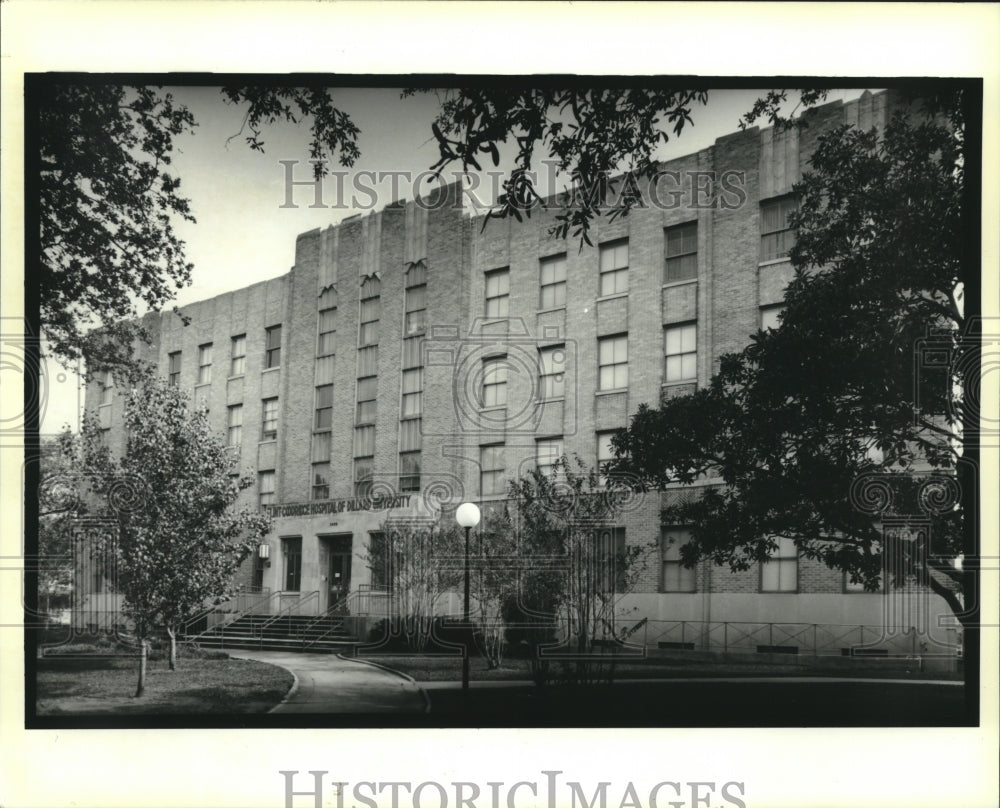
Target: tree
(576,562)
(792,428)
(107,199)
(183,537)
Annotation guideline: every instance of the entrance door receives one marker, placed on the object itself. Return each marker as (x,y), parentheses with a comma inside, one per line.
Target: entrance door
(339,578)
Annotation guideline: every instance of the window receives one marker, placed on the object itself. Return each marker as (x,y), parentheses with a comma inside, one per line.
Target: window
(681,351)
(547,452)
(553,282)
(776,235)
(321,481)
(416,309)
(364,441)
(492,472)
(371,307)
(107,387)
(614,268)
(362,476)
(324,407)
(205,363)
(272,347)
(409,471)
(413,386)
(551,372)
(291,550)
(234,425)
(495,382)
(265,487)
(676,577)
(498,293)
(605,453)
(681,253)
(770,316)
(409,435)
(258,575)
(326,344)
(780,573)
(610,559)
(174,374)
(612,359)
(269,419)
(366,400)
(238,355)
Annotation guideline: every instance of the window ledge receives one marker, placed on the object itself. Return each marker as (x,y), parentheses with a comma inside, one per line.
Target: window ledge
(552,309)
(615,296)
(615,391)
(237,376)
(271,370)
(773,261)
(262,441)
(672,284)
(682,383)
(554,399)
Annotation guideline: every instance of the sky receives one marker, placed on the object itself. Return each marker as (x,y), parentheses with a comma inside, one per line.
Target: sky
(245,233)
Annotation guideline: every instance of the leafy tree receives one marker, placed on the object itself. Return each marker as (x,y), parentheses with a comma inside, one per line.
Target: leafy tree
(564,521)
(182,538)
(107,200)
(790,426)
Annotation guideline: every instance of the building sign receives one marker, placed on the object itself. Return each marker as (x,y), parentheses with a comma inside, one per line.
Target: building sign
(338,506)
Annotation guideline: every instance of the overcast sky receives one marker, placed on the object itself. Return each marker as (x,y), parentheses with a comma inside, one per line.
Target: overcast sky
(244,234)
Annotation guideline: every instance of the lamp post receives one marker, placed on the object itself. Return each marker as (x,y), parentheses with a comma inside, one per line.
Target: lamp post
(467,516)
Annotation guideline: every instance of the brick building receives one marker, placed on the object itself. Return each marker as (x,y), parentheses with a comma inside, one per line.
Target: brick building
(413,359)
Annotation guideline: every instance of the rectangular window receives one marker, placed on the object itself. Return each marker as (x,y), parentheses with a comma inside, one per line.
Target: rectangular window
(326,344)
(553,282)
(552,372)
(363,476)
(234,425)
(780,573)
(681,353)
(321,481)
(324,407)
(174,374)
(238,355)
(272,347)
(265,487)
(492,473)
(371,309)
(547,452)
(681,252)
(610,559)
(612,359)
(364,441)
(366,400)
(776,235)
(409,435)
(269,419)
(321,447)
(416,309)
(409,471)
(498,293)
(495,382)
(291,550)
(605,453)
(107,387)
(676,577)
(614,267)
(205,363)
(770,316)
(413,385)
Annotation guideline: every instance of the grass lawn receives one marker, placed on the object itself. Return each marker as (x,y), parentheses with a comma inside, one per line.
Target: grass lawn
(92,685)
(429,668)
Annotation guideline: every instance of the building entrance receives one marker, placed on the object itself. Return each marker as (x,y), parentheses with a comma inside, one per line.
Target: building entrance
(335,561)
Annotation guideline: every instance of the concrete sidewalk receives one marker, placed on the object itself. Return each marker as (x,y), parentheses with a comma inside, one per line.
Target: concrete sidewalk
(326,683)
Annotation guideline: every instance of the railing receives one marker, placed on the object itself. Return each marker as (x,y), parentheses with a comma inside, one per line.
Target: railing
(286,611)
(816,639)
(371,601)
(262,602)
(237,601)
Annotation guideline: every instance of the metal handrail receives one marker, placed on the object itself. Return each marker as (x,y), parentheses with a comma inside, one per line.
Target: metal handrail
(221,628)
(207,611)
(281,613)
(327,613)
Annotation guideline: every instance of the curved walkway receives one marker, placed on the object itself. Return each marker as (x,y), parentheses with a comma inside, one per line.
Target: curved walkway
(326,683)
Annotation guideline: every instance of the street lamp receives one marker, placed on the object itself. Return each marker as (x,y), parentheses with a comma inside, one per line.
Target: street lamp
(467,516)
